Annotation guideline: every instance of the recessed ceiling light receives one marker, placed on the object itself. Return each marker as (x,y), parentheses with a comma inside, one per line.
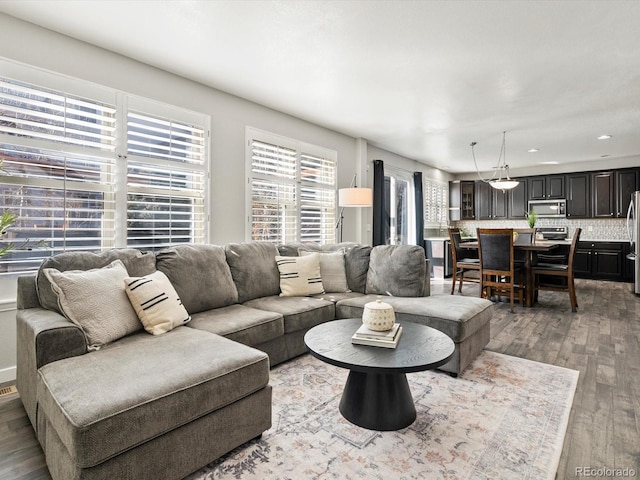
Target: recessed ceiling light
(604,137)
(533,150)
(549,163)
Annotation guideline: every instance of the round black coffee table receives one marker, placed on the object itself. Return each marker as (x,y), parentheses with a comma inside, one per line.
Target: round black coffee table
(377,395)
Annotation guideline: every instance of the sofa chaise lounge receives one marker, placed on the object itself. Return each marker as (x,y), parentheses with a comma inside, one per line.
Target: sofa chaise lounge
(163,406)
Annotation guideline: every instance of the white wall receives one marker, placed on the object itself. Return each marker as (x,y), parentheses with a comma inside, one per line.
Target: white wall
(26,43)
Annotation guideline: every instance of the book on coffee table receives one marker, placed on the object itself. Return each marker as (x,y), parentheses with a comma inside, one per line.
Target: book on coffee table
(386,339)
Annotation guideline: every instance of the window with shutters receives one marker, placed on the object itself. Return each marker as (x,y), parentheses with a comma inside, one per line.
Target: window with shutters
(436,203)
(66,158)
(293,190)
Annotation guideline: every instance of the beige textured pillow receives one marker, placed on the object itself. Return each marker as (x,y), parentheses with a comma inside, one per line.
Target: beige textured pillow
(156,302)
(96,302)
(332,270)
(300,276)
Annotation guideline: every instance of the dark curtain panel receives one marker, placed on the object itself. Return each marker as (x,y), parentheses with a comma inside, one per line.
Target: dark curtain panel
(380,223)
(417,186)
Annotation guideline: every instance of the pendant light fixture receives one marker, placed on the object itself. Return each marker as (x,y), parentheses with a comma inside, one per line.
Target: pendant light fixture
(501,170)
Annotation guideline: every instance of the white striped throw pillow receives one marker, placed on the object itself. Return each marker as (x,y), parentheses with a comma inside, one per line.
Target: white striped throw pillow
(156,302)
(300,276)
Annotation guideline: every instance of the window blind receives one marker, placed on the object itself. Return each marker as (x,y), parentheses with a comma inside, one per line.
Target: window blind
(293,193)
(166,174)
(436,203)
(62,171)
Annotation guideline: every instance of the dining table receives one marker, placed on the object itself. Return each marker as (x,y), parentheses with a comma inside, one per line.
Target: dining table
(530,254)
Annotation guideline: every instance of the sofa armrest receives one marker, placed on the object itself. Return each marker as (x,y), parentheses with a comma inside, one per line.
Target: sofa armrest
(27,293)
(43,337)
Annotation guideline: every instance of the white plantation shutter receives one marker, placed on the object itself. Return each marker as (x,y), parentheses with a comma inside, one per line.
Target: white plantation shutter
(58,163)
(436,199)
(45,117)
(64,162)
(166,175)
(317,199)
(293,193)
(273,193)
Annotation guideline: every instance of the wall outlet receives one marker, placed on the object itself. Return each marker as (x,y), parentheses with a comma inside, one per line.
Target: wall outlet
(590,228)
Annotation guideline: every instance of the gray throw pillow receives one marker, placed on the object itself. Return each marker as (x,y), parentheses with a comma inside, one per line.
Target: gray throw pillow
(397,270)
(254,270)
(200,274)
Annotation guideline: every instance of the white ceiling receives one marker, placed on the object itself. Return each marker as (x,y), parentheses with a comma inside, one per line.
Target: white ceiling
(419,78)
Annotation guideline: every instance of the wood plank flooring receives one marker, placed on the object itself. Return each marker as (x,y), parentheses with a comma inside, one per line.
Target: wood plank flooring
(601,341)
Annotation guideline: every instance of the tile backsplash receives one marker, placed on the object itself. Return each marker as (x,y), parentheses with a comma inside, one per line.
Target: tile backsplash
(592,228)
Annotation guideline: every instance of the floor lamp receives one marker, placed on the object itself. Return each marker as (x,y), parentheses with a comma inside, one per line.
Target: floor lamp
(352,197)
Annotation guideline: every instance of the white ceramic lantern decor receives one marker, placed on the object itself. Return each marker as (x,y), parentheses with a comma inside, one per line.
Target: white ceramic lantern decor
(378,316)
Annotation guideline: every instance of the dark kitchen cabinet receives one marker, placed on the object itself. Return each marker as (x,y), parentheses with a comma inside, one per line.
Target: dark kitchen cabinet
(600,260)
(491,203)
(545,187)
(578,195)
(462,200)
(517,200)
(603,194)
(627,182)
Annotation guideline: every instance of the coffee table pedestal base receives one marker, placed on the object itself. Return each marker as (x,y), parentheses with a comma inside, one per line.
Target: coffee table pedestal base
(378,401)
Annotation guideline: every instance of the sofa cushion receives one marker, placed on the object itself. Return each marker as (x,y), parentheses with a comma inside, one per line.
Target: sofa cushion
(356,262)
(100,405)
(200,275)
(95,300)
(398,270)
(300,276)
(332,270)
(240,323)
(300,313)
(156,302)
(137,263)
(254,270)
(457,316)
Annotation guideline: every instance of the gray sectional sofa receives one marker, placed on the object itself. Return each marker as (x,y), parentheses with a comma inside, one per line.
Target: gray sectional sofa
(162,406)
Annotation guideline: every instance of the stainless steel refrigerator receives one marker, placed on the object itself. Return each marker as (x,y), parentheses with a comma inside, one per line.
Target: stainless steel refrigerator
(633,230)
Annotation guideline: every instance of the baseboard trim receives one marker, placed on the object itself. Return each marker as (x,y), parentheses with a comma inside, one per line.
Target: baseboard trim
(8,375)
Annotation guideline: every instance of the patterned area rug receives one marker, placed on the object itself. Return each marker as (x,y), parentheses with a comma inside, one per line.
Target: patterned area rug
(504,418)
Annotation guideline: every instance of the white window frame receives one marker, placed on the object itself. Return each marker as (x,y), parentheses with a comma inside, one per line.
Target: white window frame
(436,215)
(301,148)
(115,218)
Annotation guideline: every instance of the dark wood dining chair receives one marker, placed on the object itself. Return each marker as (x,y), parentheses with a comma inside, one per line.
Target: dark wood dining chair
(462,260)
(565,270)
(497,265)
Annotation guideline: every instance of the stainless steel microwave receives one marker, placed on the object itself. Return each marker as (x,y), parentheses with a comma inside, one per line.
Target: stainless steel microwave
(549,208)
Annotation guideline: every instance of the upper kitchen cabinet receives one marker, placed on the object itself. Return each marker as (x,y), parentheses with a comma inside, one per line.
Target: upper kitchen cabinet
(491,203)
(578,195)
(517,200)
(603,194)
(627,182)
(462,200)
(549,186)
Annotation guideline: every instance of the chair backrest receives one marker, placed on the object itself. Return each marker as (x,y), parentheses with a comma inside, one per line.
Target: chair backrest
(454,236)
(572,250)
(495,248)
(525,236)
